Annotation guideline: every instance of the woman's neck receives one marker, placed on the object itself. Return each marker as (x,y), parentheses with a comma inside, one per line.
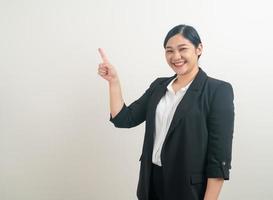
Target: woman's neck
(186,78)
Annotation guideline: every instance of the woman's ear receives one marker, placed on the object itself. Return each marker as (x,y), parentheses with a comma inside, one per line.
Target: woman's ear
(199,49)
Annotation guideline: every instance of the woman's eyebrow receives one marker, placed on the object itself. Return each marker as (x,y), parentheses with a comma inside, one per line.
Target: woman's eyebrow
(180,45)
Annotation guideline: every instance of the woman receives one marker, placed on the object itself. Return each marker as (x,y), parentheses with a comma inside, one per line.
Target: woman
(189,116)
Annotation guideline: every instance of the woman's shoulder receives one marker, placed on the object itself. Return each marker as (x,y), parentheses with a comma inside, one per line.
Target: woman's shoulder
(215,82)
(218,87)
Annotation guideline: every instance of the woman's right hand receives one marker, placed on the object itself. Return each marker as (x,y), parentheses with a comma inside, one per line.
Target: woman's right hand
(105,69)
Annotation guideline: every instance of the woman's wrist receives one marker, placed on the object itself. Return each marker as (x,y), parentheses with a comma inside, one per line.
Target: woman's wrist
(114,81)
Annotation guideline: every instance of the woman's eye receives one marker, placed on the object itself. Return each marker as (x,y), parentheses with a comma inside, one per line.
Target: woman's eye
(169,51)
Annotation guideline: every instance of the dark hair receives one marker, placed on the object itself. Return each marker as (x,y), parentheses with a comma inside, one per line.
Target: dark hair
(187,32)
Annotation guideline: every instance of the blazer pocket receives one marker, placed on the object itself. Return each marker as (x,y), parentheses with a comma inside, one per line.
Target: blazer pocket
(197,178)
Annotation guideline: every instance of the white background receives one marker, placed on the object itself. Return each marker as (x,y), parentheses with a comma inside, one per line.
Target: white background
(56,140)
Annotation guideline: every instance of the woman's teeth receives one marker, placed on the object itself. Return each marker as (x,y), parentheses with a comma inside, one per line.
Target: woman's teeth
(180,64)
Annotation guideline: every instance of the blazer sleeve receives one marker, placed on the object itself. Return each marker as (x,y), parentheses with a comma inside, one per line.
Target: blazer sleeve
(220,123)
(135,113)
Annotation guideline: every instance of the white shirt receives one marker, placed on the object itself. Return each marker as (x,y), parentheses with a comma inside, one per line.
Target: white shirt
(164,115)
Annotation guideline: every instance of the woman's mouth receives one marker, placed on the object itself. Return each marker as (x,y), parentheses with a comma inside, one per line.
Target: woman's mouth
(179,64)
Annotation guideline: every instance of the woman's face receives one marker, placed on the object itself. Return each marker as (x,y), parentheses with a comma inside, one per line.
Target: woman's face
(181,54)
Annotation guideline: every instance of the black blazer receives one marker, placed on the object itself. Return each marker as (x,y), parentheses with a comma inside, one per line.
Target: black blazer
(198,144)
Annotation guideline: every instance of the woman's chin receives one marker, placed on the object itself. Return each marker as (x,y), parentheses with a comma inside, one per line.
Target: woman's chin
(181,71)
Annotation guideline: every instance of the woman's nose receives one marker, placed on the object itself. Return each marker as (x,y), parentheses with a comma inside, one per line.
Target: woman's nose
(176,55)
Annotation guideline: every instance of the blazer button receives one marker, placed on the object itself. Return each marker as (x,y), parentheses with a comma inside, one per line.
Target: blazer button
(223,163)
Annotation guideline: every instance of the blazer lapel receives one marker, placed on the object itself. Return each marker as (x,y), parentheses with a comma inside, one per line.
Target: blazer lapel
(188,101)
(183,107)
(158,93)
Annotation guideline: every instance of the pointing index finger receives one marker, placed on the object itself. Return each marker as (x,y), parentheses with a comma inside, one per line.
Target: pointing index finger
(103,55)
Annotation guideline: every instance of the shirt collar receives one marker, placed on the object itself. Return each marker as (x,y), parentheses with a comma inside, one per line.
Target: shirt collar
(183,89)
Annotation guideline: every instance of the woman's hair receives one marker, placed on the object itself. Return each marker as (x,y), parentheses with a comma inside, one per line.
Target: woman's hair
(187,32)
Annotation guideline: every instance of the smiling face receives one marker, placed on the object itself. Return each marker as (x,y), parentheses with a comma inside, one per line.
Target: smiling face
(181,54)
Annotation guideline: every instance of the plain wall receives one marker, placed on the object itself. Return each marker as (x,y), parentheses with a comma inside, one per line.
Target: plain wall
(56,140)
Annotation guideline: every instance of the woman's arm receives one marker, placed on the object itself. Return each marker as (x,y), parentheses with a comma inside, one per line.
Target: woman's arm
(220,128)
(214,186)
(116,100)
(108,72)
(121,115)
(220,124)
(135,113)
